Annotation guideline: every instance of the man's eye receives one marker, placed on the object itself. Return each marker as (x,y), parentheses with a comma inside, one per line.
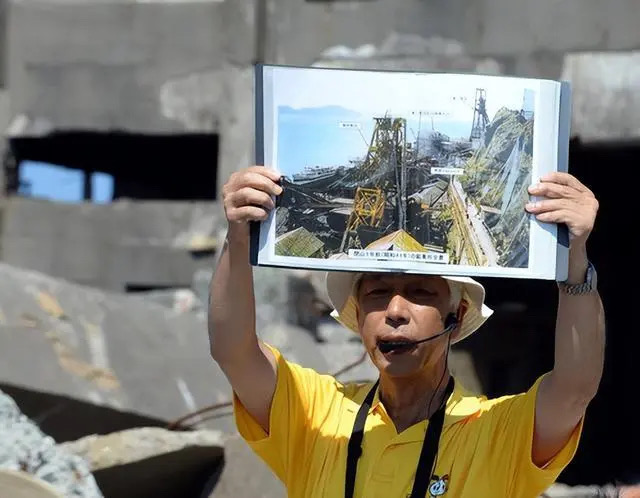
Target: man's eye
(423,292)
(376,291)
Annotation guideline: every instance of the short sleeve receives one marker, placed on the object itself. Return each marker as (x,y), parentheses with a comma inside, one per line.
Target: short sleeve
(513,421)
(301,399)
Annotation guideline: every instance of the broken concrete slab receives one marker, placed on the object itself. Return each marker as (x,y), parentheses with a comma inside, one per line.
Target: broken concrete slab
(108,349)
(160,462)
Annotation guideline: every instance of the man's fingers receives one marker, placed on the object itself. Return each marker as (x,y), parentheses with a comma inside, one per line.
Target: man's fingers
(247,213)
(564,179)
(552,190)
(248,196)
(557,216)
(259,182)
(548,205)
(273,175)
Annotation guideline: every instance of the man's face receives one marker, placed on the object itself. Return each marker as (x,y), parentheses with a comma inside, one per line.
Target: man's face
(403,308)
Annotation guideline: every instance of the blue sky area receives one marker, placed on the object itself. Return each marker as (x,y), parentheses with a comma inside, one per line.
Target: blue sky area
(314,136)
(53,182)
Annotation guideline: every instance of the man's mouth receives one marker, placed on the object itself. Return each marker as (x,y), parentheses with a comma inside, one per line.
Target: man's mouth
(396,346)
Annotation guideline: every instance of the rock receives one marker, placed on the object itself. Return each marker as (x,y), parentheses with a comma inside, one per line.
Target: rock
(25,448)
(145,455)
(121,448)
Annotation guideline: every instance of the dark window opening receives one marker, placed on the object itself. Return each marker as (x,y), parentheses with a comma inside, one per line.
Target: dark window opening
(113,165)
(132,288)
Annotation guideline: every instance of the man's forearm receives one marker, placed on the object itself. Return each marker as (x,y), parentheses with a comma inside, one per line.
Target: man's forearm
(580,337)
(232,302)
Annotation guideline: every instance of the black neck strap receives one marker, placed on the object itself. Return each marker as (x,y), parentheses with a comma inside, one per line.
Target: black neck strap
(427,454)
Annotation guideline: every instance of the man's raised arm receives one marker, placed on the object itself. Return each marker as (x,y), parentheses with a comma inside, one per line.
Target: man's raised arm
(248,365)
(580,327)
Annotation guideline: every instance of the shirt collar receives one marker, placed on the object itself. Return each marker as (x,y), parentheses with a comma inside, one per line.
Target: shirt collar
(461,404)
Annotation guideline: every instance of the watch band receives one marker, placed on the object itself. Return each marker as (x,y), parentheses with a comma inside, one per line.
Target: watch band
(589,285)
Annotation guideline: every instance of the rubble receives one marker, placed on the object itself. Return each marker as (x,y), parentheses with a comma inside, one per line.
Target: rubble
(25,448)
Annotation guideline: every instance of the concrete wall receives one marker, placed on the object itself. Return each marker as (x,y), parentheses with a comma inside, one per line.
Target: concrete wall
(103,65)
(498,28)
(109,246)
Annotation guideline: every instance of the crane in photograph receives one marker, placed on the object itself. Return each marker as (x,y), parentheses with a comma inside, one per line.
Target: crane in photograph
(480,117)
(385,157)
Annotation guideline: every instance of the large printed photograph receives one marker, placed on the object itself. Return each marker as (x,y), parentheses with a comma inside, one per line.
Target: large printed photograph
(423,169)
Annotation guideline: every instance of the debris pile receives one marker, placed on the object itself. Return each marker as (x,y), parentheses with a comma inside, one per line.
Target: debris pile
(26,448)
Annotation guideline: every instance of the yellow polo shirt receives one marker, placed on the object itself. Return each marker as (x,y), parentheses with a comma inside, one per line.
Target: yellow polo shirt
(485,447)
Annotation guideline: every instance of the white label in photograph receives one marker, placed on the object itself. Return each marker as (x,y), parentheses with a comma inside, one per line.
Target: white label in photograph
(427,257)
(345,124)
(447,171)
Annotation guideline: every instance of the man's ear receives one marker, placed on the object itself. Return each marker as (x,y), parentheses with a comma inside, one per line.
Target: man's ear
(462,310)
(460,313)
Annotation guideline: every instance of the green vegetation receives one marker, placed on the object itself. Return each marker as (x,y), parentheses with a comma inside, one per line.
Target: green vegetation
(488,175)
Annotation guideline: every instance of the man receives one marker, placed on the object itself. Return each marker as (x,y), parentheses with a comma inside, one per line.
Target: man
(416,432)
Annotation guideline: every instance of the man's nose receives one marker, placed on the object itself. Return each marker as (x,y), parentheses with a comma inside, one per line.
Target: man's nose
(397,310)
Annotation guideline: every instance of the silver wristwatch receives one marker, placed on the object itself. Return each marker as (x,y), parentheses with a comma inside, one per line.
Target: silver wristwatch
(589,285)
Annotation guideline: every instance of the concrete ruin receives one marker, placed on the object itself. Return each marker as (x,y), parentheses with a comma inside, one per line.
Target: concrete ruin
(134,88)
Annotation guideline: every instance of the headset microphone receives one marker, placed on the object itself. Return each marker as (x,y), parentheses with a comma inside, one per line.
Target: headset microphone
(450,323)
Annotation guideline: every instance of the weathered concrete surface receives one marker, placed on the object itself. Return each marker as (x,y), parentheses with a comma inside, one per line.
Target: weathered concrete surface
(158,461)
(501,28)
(110,246)
(606,101)
(110,349)
(26,448)
(103,65)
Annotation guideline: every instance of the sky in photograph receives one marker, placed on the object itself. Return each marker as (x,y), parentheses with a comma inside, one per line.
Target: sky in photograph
(317,136)
(312,104)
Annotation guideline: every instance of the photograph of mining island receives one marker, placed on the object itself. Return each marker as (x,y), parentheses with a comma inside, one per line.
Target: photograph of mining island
(412,183)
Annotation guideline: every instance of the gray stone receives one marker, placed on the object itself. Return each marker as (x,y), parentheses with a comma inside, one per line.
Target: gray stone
(25,448)
(159,462)
(121,448)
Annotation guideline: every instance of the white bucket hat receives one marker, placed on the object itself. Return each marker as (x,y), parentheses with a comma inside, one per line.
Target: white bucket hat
(342,284)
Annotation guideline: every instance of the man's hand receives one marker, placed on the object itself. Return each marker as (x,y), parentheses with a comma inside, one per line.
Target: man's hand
(566,200)
(566,392)
(247,194)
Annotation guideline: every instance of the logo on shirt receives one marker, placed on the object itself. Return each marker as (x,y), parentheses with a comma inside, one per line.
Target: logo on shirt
(439,487)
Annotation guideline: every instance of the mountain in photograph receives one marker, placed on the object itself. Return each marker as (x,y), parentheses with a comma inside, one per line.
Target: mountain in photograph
(497,177)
